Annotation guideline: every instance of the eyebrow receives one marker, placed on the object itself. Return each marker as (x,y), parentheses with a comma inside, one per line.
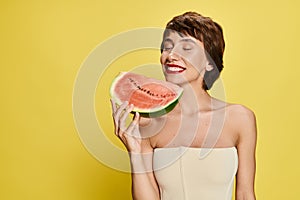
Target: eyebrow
(168,40)
(187,40)
(182,40)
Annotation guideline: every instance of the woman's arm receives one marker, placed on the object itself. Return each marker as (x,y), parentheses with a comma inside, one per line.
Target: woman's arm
(246,152)
(144,185)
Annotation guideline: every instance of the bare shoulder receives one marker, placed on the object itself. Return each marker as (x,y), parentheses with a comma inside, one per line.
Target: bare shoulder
(240,111)
(236,112)
(244,121)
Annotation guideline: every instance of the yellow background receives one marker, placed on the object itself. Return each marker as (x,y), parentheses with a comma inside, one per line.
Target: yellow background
(44,43)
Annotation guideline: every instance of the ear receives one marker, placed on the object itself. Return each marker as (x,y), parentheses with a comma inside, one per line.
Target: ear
(209,66)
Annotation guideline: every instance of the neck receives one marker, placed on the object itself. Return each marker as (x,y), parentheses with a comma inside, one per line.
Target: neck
(194,99)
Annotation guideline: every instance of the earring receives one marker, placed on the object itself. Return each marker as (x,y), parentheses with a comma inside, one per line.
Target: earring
(209,67)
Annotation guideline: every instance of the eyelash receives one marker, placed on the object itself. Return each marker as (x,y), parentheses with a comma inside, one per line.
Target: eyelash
(167,48)
(184,48)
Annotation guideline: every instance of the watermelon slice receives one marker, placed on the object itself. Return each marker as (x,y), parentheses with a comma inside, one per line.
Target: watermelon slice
(150,97)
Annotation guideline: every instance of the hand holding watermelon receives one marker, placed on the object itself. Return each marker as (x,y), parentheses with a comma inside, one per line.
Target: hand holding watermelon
(129,135)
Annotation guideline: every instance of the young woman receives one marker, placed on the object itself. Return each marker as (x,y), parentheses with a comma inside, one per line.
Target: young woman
(195,151)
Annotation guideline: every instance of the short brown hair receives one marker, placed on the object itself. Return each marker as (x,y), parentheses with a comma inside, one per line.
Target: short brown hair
(208,32)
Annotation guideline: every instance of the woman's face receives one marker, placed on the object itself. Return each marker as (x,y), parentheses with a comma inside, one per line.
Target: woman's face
(183,58)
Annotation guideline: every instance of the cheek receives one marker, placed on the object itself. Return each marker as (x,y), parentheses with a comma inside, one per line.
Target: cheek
(162,58)
(197,60)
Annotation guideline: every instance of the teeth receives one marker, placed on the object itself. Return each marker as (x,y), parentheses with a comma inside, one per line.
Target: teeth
(175,69)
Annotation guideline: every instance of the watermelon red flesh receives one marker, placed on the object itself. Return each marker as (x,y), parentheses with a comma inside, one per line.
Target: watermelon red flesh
(146,94)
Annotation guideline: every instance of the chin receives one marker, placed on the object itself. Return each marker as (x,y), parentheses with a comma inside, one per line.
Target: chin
(178,80)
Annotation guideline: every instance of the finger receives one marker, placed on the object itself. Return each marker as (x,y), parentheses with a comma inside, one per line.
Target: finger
(134,126)
(120,109)
(118,113)
(114,108)
(122,120)
(135,115)
(113,105)
(126,113)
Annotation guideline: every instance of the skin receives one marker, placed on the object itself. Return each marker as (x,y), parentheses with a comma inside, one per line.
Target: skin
(186,125)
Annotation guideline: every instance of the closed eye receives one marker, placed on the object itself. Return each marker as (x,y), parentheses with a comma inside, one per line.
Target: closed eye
(187,44)
(167,48)
(168,44)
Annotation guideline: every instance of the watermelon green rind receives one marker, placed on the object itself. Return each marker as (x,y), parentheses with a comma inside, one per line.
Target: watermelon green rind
(112,88)
(153,112)
(160,112)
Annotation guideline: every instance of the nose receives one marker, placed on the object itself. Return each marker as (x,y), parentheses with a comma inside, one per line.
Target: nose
(172,56)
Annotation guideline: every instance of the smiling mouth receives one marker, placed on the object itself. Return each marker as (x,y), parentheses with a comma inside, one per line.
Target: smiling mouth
(174,69)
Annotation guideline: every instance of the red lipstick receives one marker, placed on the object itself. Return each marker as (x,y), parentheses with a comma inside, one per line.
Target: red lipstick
(174,69)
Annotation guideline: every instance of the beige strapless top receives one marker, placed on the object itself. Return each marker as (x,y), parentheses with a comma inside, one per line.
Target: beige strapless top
(185,173)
